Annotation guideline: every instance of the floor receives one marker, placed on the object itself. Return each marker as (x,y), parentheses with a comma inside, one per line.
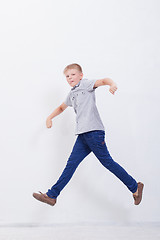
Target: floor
(81,232)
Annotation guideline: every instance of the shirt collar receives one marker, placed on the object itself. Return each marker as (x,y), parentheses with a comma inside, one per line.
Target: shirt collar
(76,86)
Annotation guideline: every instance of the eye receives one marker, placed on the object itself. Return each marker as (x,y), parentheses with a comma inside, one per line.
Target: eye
(73,73)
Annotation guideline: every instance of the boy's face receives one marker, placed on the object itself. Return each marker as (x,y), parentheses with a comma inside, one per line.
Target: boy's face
(73,76)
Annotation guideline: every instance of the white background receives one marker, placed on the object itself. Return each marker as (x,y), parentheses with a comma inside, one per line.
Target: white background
(116,39)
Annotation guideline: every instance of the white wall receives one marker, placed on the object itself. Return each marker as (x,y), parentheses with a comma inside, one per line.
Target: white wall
(117,39)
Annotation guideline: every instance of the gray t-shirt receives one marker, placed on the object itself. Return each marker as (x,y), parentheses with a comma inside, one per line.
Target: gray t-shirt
(82,99)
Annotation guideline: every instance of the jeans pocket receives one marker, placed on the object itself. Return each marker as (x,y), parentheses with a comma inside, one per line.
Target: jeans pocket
(89,135)
(100,139)
(100,134)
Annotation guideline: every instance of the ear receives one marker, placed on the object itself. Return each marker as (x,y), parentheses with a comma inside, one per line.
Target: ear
(81,75)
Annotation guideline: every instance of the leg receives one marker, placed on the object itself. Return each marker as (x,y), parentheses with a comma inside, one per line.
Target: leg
(79,152)
(99,148)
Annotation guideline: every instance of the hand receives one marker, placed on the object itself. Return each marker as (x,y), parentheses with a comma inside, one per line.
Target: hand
(49,122)
(113,88)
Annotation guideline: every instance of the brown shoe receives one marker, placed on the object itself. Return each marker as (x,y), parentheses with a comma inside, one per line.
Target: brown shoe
(138,198)
(44,198)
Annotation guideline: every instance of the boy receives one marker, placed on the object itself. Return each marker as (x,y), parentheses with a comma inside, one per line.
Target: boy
(91,134)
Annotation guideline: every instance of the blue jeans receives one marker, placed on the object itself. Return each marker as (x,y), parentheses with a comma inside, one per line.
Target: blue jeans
(86,143)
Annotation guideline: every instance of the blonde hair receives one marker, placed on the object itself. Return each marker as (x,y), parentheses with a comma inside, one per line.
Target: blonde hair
(73,66)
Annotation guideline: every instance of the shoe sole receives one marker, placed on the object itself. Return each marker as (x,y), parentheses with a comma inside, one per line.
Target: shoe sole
(138,199)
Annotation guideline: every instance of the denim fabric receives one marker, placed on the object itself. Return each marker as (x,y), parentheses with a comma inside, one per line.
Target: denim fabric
(93,141)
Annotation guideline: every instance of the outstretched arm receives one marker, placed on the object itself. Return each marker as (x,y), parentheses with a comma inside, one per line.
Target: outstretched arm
(56,112)
(106,81)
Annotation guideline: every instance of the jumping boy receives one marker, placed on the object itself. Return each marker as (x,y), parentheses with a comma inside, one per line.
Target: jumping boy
(91,134)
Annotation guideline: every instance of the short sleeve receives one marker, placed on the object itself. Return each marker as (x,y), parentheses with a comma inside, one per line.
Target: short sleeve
(68,101)
(89,84)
